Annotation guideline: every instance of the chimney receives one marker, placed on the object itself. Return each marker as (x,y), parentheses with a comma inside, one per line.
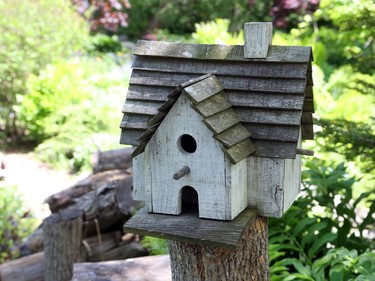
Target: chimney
(258,38)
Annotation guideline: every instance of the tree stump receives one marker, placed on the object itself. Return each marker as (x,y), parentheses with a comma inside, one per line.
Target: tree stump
(62,242)
(192,262)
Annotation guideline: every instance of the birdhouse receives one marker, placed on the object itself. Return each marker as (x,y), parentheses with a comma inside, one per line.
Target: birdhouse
(218,126)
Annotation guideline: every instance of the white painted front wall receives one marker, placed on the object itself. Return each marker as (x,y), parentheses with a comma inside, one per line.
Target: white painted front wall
(207,165)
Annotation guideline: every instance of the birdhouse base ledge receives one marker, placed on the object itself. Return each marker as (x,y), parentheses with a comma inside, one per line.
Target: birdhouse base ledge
(187,227)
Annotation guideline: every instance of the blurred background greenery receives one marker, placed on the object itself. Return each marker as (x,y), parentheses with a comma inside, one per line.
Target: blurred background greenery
(64,68)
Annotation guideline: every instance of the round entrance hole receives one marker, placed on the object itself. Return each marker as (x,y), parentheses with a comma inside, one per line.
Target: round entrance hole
(187,143)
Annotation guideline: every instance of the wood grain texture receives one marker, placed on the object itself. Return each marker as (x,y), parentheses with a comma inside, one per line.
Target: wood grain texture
(265,93)
(274,184)
(204,89)
(141,107)
(148,92)
(29,268)
(219,52)
(238,183)
(224,68)
(292,178)
(272,132)
(211,102)
(307,118)
(222,121)
(115,159)
(266,148)
(239,151)
(152,268)
(307,132)
(213,233)
(63,236)
(269,116)
(192,262)
(265,100)
(165,79)
(213,105)
(258,38)
(233,135)
(130,136)
(278,82)
(135,121)
(139,180)
(266,184)
(308,105)
(274,149)
(165,157)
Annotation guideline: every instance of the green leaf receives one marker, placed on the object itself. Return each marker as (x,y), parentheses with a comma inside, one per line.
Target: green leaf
(311,232)
(298,265)
(273,255)
(322,241)
(278,247)
(302,225)
(276,269)
(297,276)
(336,273)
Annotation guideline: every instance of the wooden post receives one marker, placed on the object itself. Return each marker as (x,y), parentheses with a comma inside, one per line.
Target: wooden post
(192,262)
(63,236)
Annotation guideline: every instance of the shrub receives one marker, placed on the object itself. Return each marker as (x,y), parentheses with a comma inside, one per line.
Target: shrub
(34,33)
(71,105)
(216,32)
(321,234)
(16,222)
(104,44)
(155,246)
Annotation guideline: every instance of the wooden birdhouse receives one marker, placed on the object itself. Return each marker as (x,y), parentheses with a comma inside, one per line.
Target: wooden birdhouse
(218,126)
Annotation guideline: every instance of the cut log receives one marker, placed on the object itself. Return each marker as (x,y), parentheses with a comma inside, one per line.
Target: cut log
(62,242)
(69,196)
(105,199)
(110,246)
(33,243)
(153,268)
(112,160)
(30,268)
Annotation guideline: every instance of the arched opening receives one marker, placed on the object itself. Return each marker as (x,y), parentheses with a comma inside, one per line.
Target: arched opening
(187,143)
(189,201)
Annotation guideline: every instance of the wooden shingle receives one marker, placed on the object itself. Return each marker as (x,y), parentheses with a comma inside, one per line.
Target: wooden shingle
(272,97)
(211,102)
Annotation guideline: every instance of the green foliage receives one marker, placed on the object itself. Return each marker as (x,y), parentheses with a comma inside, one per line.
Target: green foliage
(216,32)
(341,265)
(354,140)
(313,237)
(156,246)
(16,222)
(140,18)
(68,109)
(350,33)
(35,33)
(104,44)
(338,264)
(180,17)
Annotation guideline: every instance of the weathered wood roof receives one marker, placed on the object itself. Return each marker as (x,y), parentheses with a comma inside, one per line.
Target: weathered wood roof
(272,97)
(211,102)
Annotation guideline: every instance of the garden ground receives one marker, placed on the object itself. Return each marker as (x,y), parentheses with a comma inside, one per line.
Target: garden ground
(35,180)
